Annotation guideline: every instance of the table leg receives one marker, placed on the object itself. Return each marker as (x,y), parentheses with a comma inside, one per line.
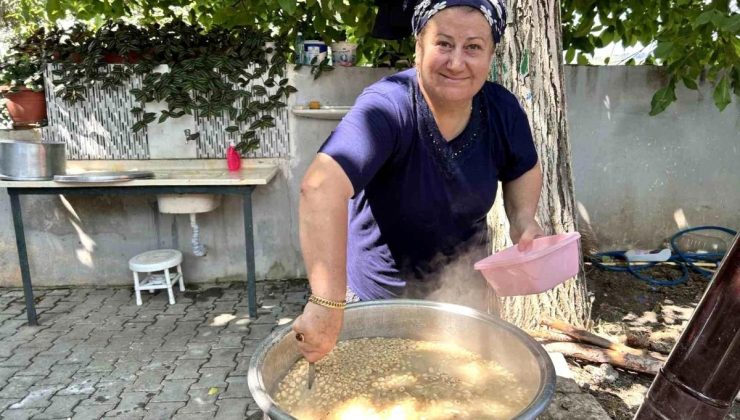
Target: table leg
(249,247)
(20,243)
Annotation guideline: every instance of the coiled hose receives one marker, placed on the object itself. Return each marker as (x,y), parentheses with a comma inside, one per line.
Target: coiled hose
(683,260)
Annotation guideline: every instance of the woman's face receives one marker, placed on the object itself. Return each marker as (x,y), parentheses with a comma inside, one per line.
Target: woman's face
(453,55)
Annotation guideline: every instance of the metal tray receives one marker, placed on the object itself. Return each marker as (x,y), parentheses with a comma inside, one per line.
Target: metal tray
(24,178)
(103,176)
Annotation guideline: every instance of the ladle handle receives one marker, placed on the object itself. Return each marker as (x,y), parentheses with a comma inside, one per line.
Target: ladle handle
(311,374)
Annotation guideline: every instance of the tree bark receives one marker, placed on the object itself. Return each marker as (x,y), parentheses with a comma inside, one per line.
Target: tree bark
(529,62)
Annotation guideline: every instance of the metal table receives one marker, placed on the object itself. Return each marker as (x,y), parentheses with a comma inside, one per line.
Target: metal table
(236,186)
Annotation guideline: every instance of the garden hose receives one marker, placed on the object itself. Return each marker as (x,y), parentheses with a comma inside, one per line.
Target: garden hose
(683,260)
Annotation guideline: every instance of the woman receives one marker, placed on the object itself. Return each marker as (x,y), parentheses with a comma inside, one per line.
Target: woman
(414,167)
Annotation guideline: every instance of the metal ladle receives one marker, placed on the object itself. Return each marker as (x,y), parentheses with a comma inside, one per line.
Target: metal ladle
(311,365)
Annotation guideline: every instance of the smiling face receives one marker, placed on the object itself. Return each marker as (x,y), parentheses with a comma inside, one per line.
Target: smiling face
(453,55)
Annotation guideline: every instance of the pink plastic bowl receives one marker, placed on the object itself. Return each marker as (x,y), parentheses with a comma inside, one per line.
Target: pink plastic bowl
(548,262)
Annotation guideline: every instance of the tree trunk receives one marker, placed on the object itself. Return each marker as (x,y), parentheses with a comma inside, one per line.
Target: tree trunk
(529,62)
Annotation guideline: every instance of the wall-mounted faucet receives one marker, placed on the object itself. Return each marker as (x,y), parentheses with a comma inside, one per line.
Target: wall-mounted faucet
(193,136)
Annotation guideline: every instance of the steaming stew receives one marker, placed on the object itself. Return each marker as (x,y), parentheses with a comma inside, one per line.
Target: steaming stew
(393,378)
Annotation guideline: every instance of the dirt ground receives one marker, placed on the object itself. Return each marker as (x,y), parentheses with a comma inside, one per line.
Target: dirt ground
(623,304)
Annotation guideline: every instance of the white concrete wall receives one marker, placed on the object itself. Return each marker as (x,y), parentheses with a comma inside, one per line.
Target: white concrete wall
(633,175)
(639,179)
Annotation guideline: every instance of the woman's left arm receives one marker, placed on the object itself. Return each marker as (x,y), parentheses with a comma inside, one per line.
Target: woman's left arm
(521,196)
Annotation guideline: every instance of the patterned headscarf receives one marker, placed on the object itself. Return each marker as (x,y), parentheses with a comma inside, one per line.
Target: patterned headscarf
(493,10)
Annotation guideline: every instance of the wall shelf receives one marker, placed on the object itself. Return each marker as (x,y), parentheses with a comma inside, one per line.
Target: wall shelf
(323,113)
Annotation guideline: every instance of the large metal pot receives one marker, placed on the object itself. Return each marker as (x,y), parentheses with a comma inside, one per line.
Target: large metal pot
(488,336)
(31,161)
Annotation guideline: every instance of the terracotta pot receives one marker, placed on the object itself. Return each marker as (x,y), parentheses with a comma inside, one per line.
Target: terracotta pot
(73,57)
(26,107)
(113,58)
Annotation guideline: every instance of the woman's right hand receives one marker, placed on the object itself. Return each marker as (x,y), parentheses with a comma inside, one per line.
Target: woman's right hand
(319,327)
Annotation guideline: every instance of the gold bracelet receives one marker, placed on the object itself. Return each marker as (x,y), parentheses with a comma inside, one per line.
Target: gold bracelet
(333,304)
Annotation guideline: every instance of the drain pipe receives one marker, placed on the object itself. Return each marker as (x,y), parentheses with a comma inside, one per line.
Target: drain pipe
(199,250)
(702,375)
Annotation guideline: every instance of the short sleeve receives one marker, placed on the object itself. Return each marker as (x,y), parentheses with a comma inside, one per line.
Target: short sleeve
(365,138)
(520,152)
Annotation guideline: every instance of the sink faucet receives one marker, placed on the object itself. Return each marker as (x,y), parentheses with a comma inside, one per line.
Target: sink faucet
(189,136)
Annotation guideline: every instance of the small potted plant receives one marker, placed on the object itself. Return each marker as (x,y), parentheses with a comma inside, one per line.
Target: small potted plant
(22,85)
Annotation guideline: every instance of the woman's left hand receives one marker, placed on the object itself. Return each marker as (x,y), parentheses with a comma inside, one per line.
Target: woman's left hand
(524,232)
(520,201)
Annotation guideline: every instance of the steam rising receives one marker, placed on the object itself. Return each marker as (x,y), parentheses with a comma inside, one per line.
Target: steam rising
(454,280)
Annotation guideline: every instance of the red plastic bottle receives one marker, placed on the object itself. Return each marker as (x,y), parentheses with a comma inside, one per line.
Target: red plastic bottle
(233,158)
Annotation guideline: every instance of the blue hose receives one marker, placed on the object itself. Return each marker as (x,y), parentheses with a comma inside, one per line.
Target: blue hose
(683,260)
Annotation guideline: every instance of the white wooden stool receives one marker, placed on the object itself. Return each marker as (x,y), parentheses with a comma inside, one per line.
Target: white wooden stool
(157,260)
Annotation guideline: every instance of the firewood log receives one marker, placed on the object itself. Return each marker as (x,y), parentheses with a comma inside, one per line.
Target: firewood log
(643,364)
(590,338)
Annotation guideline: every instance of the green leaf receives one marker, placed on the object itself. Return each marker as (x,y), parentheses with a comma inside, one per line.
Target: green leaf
(722,93)
(288,5)
(253,145)
(735,80)
(662,98)
(582,59)
(690,83)
(139,125)
(706,17)
(570,55)
(664,48)
(732,24)
(53,9)
(727,23)
(259,90)
(607,37)
(254,106)
(232,128)
(149,117)
(246,114)
(213,391)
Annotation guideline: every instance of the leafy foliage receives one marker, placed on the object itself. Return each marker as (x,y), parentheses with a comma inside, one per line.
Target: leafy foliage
(20,70)
(327,20)
(238,73)
(696,40)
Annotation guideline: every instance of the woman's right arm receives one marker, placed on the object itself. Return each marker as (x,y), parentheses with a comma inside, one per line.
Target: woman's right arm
(322,214)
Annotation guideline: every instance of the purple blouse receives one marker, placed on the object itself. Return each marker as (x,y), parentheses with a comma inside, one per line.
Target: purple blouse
(419,200)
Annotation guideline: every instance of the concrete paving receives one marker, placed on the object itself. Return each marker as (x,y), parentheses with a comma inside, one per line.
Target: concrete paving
(97,355)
